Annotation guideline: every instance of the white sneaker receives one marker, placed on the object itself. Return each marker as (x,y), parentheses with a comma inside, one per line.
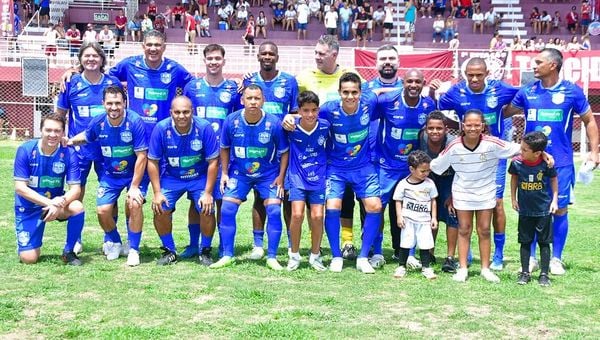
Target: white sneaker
(336,265)
(557,267)
(223,262)
(429,273)
(78,248)
(133,258)
(112,250)
(413,263)
(377,261)
(125,249)
(461,275)
(489,276)
(274,264)
(363,266)
(400,272)
(533,265)
(293,263)
(316,262)
(257,253)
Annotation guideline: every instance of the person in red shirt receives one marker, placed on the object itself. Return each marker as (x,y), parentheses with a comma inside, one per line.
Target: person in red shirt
(572,20)
(73,36)
(466,8)
(120,23)
(190,30)
(152,10)
(585,16)
(176,15)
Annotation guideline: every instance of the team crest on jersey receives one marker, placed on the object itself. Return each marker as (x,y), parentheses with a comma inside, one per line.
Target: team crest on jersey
(225,97)
(422,118)
(100,192)
(23,238)
(165,77)
(492,102)
(126,136)
(364,119)
(321,140)
(558,98)
(279,92)
(264,137)
(396,133)
(196,145)
(540,175)
(483,157)
(58,167)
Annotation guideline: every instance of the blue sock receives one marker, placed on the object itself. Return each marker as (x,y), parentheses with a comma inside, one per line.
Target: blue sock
(332,229)
(378,244)
(194,230)
(499,240)
(134,239)
(220,243)
(370,232)
(259,236)
(274,229)
(228,227)
(113,236)
(168,242)
(106,237)
(205,241)
(412,251)
(74,228)
(560,230)
(533,248)
(469,256)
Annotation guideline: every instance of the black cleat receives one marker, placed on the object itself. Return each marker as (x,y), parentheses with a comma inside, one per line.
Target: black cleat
(349,252)
(205,257)
(524,278)
(449,265)
(544,280)
(71,259)
(168,257)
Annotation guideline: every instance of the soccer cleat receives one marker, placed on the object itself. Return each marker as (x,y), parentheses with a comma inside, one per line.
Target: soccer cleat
(533,265)
(544,280)
(274,264)
(223,262)
(497,263)
(70,258)
(125,249)
(461,275)
(133,258)
(205,256)
(336,265)
(78,248)
(429,273)
(449,265)
(524,278)
(349,252)
(316,262)
(363,266)
(293,263)
(489,276)
(400,272)
(377,261)
(257,253)
(413,263)
(112,250)
(557,267)
(189,252)
(396,256)
(168,257)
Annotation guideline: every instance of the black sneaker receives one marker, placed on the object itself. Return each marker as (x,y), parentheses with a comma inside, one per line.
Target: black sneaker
(205,256)
(524,278)
(544,280)
(349,252)
(167,257)
(71,259)
(449,265)
(396,256)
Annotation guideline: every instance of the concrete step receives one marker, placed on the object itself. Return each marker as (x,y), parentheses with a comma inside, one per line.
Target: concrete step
(505,2)
(507,9)
(510,24)
(512,33)
(515,16)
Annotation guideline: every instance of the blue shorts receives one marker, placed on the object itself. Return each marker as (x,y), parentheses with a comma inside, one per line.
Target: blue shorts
(238,187)
(500,178)
(444,188)
(29,228)
(109,188)
(302,26)
(566,183)
(173,189)
(217,195)
(312,196)
(388,179)
(364,182)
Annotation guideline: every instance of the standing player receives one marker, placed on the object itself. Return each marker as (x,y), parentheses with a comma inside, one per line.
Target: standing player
(187,146)
(254,154)
(41,168)
(549,105)
(120,134)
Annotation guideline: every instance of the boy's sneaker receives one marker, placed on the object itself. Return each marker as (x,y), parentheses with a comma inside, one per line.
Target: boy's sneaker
(274,264)
(363,266)
(461,275)
(189,252)
(293,263)
(224,261)
(349,252)
(336,265)
(70,258)
(429,273)
(497,263)
(400,272)
(316,262)
(396,256)
(489,276)
(133,258)
(377,261)
(168,257)
(78,248)
(449,265)
(524,278)
(413,263)
(544,280)
(112,250)
(257,253)
(557,267)
(205,256)
(125,248)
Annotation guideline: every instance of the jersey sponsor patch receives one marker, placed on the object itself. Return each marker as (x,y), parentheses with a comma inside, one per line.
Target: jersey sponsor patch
(396,133)
(23,238)
(549,115)
(156,94)
(122,151)
(410,134)
(50,182)
(174,161)
(215,112)
(239,151)
(358,136)
(341,138)
(33,181)
(254,152)
(189,161)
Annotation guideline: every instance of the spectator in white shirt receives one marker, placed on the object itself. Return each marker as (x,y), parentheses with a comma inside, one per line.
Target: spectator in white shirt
(438,28)
(90,35)
(106,38)
(331,18)
(478,20)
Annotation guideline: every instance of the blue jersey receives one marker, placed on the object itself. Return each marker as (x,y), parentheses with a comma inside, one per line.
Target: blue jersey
(532,188)
(399,128)
(255,149)
(308,157)
(490,101)
(551,111)
(45,174)
(118,144)
(185,156)
(150,91)
(213,103)
(349,147)
(281,93)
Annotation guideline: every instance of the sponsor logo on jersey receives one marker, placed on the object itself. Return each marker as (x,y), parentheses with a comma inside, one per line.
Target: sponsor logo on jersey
(149,109)
(353,150)
(119,166)
(396,133)
(405,149)
(174,161)
(252,167)
(51,182)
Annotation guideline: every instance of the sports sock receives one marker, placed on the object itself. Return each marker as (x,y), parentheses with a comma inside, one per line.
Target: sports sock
(194,230)
(347,235)
(134,239)
(425,257)
(370,232)
(499,240)
(544,257)
(259,236)
(533,247)
(378,244)
(106,237)
(525,253)
(74,228)
(403,256)
(205,241)
(560,231)
(228,227)
(274,229)
(412,251)
(332,229)
(113,236)
(168,242)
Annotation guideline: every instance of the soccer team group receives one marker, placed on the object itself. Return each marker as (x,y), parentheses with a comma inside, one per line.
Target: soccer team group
(312,142)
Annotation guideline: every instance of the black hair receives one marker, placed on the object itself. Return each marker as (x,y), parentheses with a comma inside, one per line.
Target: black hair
(478,113)
(252,87)
(307,97)
(56,117)
(417,158)
(214,47)
(435,115)
(536,140)
(114,89)
(349,77)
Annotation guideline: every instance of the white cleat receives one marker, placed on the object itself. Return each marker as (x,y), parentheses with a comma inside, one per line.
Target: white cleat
(461,275)
(316,262)
(363,266)
(293,263)
(336,265)
(400,272)
(489,275)
(557,267)
(413,263)
(377,261)
(257,253)
(429,273)
(133,258)
(78,248)
(274,264)
(112,250)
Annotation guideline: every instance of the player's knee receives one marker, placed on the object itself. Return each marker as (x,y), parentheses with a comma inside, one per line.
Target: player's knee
(75,207)
(484,231)
(29,257)
(229,208)
(297,216)
(106,209)
(273,210)
(373,206)
(317,215)
(465,230)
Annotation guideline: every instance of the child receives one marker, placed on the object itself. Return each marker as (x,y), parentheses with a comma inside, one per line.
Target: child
(205,26)
(416,211)
(530,176)
(248,36)
(306,173)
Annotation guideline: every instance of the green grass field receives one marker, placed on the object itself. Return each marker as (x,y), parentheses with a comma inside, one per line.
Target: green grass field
(109,300)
